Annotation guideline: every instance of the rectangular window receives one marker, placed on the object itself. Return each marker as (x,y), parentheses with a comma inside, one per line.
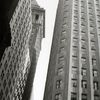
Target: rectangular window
(58,96)
(93,62)
(63,41)
(61,58)
(60,71)
(84,96)
(73,96)
(96,87)
(83,55)
(74,85)
(61,50)
(74,72)
(95,73)
(63,32)
(93,52)
(84,84)
(96,97)
(74,52)
(58,84)
(83,46)
(84,72)
(83,60)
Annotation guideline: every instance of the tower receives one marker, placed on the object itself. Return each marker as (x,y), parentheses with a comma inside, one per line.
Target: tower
(35,40)
(74,66)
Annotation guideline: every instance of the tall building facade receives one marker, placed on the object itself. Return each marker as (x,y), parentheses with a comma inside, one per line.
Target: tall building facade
(38,33)
(15,50)
(74,67)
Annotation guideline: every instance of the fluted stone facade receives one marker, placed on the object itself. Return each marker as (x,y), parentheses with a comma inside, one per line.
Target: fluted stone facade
(74,67)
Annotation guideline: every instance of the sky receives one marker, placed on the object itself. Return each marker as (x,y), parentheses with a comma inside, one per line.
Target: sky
(41,70)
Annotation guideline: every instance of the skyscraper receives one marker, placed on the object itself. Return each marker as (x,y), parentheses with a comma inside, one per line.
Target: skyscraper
(74,67)
(17,53)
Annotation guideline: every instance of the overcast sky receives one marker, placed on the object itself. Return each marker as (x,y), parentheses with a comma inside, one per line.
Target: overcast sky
(41,71)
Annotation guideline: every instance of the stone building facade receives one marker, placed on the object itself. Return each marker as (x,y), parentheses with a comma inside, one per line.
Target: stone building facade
(74,67)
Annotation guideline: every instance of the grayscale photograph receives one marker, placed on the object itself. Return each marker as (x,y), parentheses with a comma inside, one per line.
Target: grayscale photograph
(50,50)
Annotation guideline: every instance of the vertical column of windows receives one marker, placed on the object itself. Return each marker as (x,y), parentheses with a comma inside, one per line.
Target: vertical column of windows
(75,40)
(83,49)
(93,25)
(95,58)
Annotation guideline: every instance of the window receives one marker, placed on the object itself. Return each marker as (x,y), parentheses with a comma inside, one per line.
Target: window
(64,26)
(64,33)
(83,60)
(95,85)
(95,73)
(93,62)
(96,97)
(58,96)
(83,54)
(74,83)
(83,46)
(93,47)
(84,72)
(93,52)
(74,58)
(84,96)
(75,52)
(61,58)
(73,96)
(61,50)
(36,17)
(92,43)
(63,41)
(59,84)
(84,84)
(75,39)
(60,71)
(74,73)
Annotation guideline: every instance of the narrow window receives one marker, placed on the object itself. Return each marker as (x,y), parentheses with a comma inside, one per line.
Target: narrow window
(74,73)
(73,96)
(93,62)
(60,71)
(84,84)
(96,86)
(36,17)
(58,96)
(74,83)
(96,97)
(84,96)
(95,73)
(84,72)
(59,84)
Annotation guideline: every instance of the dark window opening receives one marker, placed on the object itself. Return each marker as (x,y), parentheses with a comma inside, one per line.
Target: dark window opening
(36,17)
(73,96)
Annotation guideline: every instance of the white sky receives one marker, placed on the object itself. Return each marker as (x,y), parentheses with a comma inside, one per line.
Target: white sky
(41,71)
